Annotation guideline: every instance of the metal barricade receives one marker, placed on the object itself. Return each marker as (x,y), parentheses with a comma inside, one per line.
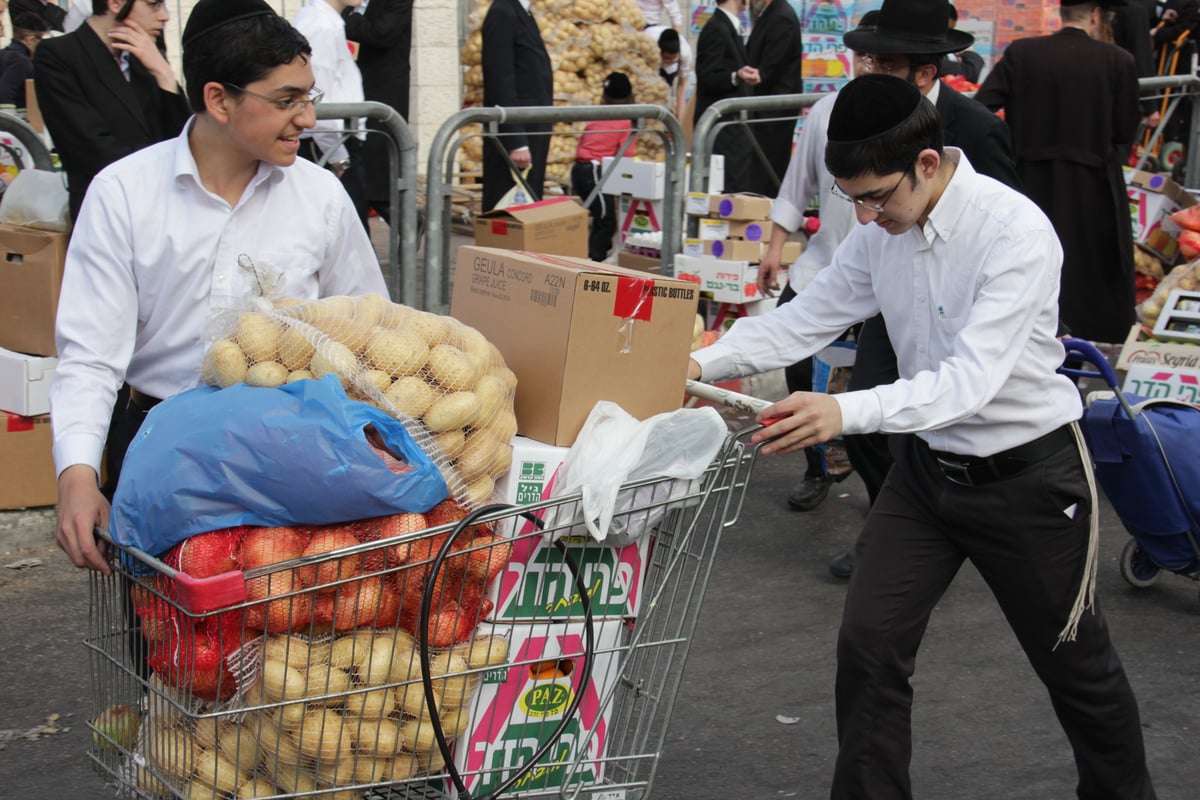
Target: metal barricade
(1175,87)
(449,138)
(403,234)
(22,144)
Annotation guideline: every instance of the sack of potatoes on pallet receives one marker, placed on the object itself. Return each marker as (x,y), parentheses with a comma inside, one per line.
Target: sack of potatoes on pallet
(442,376)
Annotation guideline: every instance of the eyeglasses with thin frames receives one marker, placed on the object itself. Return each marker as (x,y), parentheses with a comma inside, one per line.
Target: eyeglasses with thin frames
(871,63)
(875,206)
(292,107)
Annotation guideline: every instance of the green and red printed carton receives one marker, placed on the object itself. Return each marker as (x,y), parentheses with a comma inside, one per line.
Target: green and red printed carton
(519,705)
(537,583)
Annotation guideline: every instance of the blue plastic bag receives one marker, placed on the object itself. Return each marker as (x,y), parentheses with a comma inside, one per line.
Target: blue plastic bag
(1148,467)
(297,454)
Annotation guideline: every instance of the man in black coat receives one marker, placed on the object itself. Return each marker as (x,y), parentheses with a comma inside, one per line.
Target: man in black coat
(516,72)
(94,113)
(1071,101)
(909,41)
(775,50)
(52,13)
(723,70)
(16,60)
(383,32)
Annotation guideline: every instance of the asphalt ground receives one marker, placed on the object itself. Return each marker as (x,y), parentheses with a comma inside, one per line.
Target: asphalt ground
(754,717)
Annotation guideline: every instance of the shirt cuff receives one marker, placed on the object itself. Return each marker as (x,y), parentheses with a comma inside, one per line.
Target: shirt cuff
(733,78)
(78,449)
(524,147)
(861,411)
(717,362)
(786,215)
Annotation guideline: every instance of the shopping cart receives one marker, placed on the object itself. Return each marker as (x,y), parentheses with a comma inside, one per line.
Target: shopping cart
(564,689)
(1145,461)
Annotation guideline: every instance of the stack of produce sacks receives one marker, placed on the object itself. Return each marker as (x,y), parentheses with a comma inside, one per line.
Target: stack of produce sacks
(586,40)
(1184,276)
(442,376)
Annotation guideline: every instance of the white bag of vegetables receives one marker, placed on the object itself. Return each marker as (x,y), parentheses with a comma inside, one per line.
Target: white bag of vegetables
(444,379)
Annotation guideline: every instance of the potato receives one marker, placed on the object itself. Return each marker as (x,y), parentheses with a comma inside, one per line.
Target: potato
(480,490)
(238,747)
(483,651)
(378,378)
(255,787)
(478,455)
(452,411)
(300,375)
(295,350)
(493,398)
(379,737)
(506,376)
(396,353)
(451,368)
(433,329)
(501,460)
(258,335)
(213,768)
(375,704)
(334,358)
(476,346)
(226,363)
(410,697)
(503,425)
(326,309)
(451,442)
(371,308)
(323,735)
(267,374)
(395,317)
(171,751)
(281,682)
(325,679)
(275,745)
(294,651)
(458,686)
(411,395)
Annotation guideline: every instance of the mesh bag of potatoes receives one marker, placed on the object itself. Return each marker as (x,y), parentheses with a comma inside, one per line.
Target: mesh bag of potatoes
(1184,276)
(443,379)
(317,714)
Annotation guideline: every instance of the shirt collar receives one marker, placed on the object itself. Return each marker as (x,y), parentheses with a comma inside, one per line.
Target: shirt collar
(934,91)
(525,5)
(955,198)
(737,23)
(185,163)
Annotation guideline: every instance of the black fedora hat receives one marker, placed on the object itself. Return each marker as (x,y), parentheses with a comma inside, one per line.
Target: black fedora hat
(920,27)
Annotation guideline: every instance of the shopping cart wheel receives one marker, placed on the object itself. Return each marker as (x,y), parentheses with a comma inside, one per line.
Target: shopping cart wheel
(1136,567)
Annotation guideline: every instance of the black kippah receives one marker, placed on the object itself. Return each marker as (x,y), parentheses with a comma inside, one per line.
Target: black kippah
(871,106)
(210,15)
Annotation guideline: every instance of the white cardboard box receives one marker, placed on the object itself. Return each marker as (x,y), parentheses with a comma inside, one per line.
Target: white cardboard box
(634,177)
(728,281)
(25,383)
(1149,381)
(519,705)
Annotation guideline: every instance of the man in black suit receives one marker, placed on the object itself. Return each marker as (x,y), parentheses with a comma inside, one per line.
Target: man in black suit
(909,41)
(106,90)
(723,70)
(516,72)
(51,12)
(383,31)
(16,60)
(775,50)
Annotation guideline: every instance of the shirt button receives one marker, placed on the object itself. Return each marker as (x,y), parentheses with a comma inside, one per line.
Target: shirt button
(921,299)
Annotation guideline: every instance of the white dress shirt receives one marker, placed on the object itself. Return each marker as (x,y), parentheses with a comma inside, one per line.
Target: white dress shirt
(806,178)
(154,257)
(971,302)
(653,10)
(334,71)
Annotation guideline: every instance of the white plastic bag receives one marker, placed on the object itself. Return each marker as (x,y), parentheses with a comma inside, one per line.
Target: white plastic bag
(36,199)
(614,448)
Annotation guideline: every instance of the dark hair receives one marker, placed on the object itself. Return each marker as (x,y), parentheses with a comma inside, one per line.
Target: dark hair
(1077,12)
(953,13)
(668,41)
(891,152)
(28,23)
(918,60)
(99,8)
(240,53)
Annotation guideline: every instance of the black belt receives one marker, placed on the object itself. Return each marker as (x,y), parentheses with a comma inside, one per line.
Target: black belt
(974,471)
(142,401)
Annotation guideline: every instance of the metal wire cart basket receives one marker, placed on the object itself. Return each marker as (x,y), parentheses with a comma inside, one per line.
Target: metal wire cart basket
(501,653)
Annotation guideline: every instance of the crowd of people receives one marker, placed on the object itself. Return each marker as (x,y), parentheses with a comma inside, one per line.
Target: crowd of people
(958,247)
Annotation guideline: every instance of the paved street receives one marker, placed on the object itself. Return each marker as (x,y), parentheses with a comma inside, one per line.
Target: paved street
(763,651)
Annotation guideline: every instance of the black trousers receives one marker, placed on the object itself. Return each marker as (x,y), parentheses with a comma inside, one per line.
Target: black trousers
(874,365)
(1032,555)
(799,378)
(603,210)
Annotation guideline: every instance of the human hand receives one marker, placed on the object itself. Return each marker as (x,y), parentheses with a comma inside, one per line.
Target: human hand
(81,508)
(748,76)
(768,273)
(1170,15)
(130,37)
(693,373)
(1153,120)
(802,419)
(521,158)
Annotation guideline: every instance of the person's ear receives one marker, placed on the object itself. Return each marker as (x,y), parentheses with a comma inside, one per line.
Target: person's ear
(926,74)
(218,101)
(928,162)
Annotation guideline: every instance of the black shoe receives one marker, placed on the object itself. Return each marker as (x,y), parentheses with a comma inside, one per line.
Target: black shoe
(809,493)
(842,566)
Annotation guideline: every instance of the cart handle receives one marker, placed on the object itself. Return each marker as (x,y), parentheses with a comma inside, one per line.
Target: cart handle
(1087,351)
(194,595)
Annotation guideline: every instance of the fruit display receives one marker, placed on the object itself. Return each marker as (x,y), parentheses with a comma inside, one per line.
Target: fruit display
(316,713)
(442,376)
(1184,276)
(586,40)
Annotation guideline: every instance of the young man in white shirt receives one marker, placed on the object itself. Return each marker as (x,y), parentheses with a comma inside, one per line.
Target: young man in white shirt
(338,77)
(156,248)
(965,270)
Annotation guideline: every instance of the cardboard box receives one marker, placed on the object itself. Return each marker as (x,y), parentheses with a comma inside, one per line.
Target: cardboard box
(27,477)
(791,251)
(727,281)
(1152,198)
(641,179)
(737,250)
(640,262)
(558,226)
(697,204)
(1179,319)
(515,710)
(31,274)
(25,383)
(576,332)
(1139,348)
(740,206)
(1148,380)
(711,230)
(758,231)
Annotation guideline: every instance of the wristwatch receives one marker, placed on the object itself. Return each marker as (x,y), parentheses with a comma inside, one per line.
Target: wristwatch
(340,166)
